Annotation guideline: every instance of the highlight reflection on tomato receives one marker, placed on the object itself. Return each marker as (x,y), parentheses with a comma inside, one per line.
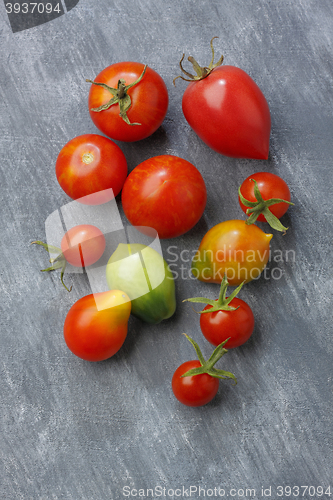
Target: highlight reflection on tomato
(165,193)
(91,165)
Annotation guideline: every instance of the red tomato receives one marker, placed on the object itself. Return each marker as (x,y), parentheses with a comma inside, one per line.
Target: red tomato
(228,111)
(194,390)
(83,245)
(95,334)
(165,193)
(270,186)
(149,102)
(220,325)
(90,164)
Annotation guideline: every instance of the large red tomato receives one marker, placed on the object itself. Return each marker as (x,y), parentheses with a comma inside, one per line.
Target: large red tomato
(138,106)
(165,193)
(228,111)
(91,165)
(97,333)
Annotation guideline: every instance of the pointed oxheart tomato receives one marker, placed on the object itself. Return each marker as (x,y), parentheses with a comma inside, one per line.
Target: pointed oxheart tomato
(227,110)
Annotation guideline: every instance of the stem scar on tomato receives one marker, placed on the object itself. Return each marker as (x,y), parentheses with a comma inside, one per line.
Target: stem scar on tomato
(119,96)
(201,72)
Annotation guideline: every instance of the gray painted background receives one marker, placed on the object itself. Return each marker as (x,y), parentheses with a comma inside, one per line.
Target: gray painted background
(76,430)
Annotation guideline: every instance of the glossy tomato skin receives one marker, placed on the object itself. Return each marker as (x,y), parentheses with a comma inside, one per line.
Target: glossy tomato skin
(149,102)
(195,390)
(88,166)
(234,249)
(270,186)
(219,326)
(95,333)
(166,193)
(83,245)
(229,112)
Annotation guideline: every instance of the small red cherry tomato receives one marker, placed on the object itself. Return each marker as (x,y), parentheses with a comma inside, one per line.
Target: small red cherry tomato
(165,193)
(97,333)
(138,105)
(91,164)
(220,325)
(194,390)
(196,382)
(230,321)
(83,245)
(270,186)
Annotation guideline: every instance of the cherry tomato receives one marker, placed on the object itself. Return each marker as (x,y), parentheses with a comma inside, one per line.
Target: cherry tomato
(228,111)
(166,193)
(232,249)
(194,390)
(270,186)
(230,319)
(95,331)
(196,382)
(83,245)
(91,165)
(220,325)
(147,100)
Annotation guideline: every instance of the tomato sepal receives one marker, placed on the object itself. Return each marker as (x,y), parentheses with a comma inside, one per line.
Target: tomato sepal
(222,303)
(58,262)
(119,96)
(201,72)
(208,366)
(261,206)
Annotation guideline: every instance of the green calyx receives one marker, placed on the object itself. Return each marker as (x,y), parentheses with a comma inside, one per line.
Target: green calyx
(261,206)
(58,262)
(119,96)
(201,72)
(222,303)
(208,366)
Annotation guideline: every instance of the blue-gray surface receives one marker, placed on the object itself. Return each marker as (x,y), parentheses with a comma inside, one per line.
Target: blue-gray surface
(71,429)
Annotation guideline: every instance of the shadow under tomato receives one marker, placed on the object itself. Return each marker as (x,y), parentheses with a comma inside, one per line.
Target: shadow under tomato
(139,151)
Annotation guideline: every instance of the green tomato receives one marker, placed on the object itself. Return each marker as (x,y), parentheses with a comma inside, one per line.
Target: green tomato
(145,276)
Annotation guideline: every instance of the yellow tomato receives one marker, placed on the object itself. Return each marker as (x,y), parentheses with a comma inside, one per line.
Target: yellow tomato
(234,249)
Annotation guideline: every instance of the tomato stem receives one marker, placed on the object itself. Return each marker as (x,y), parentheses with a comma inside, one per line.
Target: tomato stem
(57,263)
(201,72)
(208,366)
(222,303)
(119,96)
(260,206)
